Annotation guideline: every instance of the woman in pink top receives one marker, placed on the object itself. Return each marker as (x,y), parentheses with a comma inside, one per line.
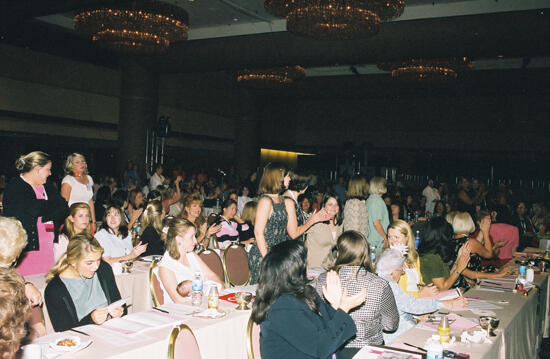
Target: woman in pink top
(38,205)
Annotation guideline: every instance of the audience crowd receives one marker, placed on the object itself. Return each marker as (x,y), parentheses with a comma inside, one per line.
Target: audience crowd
(388,248)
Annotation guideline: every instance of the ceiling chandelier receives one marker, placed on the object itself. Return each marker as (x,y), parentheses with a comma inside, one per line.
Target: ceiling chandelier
(270,78)
(144,27)
(427,70)
(335,19)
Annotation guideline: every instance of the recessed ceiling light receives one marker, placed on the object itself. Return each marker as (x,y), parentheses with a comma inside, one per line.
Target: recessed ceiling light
(235,19)
(500,56)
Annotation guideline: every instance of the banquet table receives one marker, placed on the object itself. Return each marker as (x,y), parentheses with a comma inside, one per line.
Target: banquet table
(134,285)
(522,324)
(217,339)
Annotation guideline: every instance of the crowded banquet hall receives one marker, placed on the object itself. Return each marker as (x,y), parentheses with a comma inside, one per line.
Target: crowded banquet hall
(274,179)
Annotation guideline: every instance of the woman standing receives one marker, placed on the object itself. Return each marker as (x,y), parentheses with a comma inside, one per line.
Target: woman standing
(377,214)
(76,186)
(295,322)
(38,205)
(321,237)
(379,312)
(271,216)
(115,238)
(356,217)
(298,222)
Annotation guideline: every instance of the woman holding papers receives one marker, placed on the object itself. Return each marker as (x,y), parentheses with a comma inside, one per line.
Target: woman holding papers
(81,286)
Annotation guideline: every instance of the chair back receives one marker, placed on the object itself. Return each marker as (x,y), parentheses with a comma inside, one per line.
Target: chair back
(183,344)
(213,261)
(156,291)
(253,340)
(235,261)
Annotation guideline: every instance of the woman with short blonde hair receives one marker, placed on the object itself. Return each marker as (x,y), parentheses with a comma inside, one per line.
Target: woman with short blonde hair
(377,214)
(356,217)
(180,263)
(13,239)
(77,185)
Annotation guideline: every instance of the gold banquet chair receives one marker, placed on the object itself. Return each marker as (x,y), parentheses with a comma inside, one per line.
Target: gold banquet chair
(214,262)
(183,344)
(235,261)
(156,291)
(253,340)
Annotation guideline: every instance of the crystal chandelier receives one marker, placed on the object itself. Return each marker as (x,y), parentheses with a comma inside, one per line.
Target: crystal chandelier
(270,78)
(144,27)
(427,70)
(335,19)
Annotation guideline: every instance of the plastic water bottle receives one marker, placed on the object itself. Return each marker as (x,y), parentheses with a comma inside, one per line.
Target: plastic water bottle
(373,254)
(417,239)
(434,348)
(196,288)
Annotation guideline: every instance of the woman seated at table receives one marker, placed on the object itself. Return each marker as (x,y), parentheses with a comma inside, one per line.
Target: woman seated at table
(436,250)
(151,228)
(246,229)
(115,238)
(192,208)
(322,236)
(295,322)
(14,312)
(463,226)
(180,262)
(78,222)
(400,237)
(379,312)
(81,286)
(390,266)
(229,222)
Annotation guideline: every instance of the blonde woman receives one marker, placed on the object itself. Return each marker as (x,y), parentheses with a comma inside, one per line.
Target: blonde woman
(81,286)
(463,228)
(41,210)
(377,214)
(78,222)
(400,237)
(356,217)
(180,263)
(151,226)
(271,216)
(77,185)
(14,312)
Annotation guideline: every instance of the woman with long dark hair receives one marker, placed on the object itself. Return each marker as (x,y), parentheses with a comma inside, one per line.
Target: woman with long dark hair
(295,322)
(379,312)
(436,250)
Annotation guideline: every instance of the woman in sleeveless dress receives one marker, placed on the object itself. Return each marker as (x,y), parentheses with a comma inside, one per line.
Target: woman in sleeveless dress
(271,216)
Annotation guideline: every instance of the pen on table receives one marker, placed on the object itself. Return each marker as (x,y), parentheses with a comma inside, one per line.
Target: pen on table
(458,291)
(161,310)
(78,331)
(486,281)
(414,346)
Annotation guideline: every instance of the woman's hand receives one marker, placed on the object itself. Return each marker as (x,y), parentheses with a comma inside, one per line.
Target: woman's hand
(503,272)
(116,312)
(485,224)
(332,291)
(463,257)
(428,291)
(348,303)
(138,250)
(99,316)
(213,229)
(459,302)
(33,295)
(321,216)
(134,213)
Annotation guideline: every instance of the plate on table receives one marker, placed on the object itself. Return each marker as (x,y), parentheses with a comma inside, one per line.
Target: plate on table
(68,343)
(211,314)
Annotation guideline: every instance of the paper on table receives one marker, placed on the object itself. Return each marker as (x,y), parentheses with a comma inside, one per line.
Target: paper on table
(447,294)
(456,322)
(118,303)
(152,318)
(121,325)
(178,310)
(478,305)
(111,337)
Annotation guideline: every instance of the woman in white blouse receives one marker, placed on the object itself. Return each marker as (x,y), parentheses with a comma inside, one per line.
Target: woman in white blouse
(115,238)
(180,262)
(76,186)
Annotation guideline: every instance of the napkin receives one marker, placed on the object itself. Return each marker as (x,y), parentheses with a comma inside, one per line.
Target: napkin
(211,313)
